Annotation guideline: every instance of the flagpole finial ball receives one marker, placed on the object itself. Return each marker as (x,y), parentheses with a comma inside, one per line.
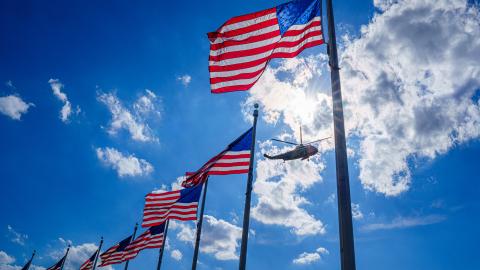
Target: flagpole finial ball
(255,106)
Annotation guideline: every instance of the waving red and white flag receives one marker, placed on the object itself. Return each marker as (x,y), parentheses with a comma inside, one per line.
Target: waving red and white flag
(241,48)
(235,159)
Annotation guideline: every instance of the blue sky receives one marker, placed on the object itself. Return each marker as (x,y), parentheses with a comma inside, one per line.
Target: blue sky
(412,116)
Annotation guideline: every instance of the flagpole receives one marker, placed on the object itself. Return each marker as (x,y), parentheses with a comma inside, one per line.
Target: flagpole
(33,254)
(347,250)
(160,255)
(29,263)
(66,254)
(98,253)
(131,239)
(199,227)
(248,196)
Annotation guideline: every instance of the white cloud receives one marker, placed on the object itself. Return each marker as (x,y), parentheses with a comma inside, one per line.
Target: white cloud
(5,258)
(176,254)
(13,106)
(186,233)
(178,183)
(331,199)
(125,165)
(356,213)
(219,237)
(133,120)
(405,222)
(309,258)
(147,103)
(16,237)
(66,110)
(6,263)
(184,79)
(405,97)
(278,186)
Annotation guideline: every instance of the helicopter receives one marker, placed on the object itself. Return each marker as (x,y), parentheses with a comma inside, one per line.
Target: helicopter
(302,151)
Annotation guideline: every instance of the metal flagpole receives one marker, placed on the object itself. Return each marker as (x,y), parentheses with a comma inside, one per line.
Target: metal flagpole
(160,255)
(33,254)
(98,253)
(131,239)
(347,250)
(199,227)
(248,196)
(66,254)
(29,263)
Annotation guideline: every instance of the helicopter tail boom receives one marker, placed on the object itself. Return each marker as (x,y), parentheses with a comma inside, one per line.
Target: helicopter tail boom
(270,157)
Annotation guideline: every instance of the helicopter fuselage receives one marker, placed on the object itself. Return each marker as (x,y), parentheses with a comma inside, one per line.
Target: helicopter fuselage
(300,152)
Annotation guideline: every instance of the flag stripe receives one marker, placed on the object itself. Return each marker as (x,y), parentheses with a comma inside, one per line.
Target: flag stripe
(266,33)
(233,160)
(229,172)
(220,74)
(249,30)
(252,20)
(163,214)
(249,36)
(223,169)
(230,164)
(174,206)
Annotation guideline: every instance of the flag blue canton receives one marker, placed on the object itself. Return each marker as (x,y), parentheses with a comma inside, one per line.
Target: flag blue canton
(157,229)
(242,143)
(189,195)
(296,13)
(123,244)
(92,258)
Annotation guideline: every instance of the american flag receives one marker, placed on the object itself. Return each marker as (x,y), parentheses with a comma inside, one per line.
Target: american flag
(87,265)
(241,48)
(58,265)
(115,254)
(179,204)
(235,159)
(151,238)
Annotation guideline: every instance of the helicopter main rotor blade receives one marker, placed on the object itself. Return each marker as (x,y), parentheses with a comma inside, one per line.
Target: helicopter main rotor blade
(319,140)
(284,141)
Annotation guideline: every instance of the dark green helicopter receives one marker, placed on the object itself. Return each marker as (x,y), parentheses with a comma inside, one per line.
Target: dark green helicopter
(302,151)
